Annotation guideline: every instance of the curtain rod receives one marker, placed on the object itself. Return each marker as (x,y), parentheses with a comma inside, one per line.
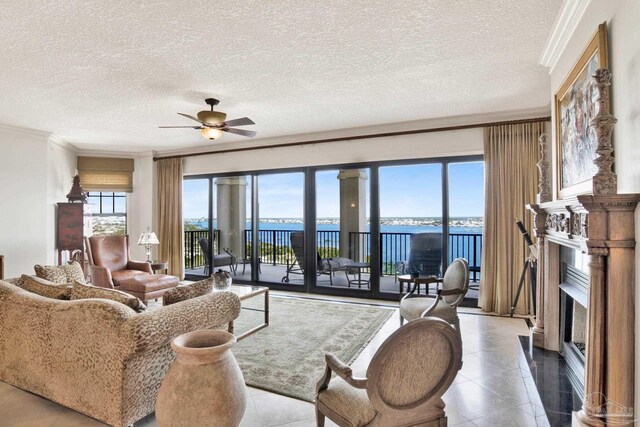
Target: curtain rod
(356,137)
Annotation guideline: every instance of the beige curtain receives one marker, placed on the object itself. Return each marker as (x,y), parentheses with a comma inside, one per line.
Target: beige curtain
(511,152)
(170,214)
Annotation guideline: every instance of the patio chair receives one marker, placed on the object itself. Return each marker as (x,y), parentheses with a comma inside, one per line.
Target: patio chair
(404,382)
(325,266)
(444,305)
(425,256)
(218,260)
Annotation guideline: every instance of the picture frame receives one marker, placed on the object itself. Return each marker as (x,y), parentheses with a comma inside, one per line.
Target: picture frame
(574,104)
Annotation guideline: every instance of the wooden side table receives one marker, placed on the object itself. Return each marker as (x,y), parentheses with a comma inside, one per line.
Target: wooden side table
(159,266)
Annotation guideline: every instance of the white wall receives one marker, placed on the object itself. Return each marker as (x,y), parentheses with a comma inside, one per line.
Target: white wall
(437,144)
(622,18)
(35,171)
(61,167)
(141,206)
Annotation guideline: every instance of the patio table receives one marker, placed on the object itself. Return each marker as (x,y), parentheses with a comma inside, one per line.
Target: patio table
(357,266)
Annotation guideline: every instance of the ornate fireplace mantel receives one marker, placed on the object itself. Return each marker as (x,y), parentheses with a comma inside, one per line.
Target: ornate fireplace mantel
(602,226)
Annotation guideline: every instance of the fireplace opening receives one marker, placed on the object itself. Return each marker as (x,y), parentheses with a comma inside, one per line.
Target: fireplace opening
(573,323)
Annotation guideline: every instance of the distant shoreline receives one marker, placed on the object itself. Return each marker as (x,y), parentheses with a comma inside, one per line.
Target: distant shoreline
(388,221)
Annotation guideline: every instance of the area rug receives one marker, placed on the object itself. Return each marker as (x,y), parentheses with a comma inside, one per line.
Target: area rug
(287,357)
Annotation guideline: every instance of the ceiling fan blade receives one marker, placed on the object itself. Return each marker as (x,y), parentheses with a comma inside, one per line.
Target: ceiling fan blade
(176,127)
(191,117)
(244,121)
(248,133)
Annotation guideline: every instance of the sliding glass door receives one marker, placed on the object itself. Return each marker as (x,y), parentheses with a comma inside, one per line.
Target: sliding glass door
(350,230)
(281,229)
(216,215)
(197,225)
(411,232)
(466,211)
(342,229)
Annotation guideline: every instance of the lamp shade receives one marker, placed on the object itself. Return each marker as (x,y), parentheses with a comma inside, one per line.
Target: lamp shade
(148,238)
(211,133)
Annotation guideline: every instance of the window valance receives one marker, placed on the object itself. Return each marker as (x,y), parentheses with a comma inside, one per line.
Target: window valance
(105,174)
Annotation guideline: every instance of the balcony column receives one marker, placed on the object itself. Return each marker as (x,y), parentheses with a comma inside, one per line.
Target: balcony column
(231,212)
(353,210)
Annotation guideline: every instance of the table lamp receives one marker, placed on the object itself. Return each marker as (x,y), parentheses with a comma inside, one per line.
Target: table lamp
(147,239)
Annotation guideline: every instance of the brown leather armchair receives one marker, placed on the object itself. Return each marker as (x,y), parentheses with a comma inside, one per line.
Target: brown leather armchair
(109,262)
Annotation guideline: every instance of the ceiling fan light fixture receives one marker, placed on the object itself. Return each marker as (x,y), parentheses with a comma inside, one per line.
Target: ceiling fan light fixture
(212,117)
(213,124)
(211,133)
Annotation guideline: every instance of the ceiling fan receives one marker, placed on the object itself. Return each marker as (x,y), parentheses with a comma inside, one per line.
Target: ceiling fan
(213,124)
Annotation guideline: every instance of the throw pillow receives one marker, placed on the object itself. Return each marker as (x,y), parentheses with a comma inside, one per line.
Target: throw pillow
(61,273)
(192,290)
(44,287)
(83,291)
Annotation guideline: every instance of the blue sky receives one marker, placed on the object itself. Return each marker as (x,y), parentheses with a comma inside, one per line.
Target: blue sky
(405,191)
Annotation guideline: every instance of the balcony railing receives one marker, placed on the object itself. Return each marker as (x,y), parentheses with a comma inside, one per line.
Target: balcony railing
(468,246)
(275,248)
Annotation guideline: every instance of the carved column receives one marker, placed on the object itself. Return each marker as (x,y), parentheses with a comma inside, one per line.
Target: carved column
(539,221)
(610,353)
(544,182)
(604,181)
(594,386)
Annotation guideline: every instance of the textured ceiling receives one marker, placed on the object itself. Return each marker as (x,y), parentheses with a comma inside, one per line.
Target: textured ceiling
(104,74)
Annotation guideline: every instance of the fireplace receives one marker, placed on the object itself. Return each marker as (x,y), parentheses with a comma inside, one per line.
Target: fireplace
(574,302)
(585,298)
(600,227)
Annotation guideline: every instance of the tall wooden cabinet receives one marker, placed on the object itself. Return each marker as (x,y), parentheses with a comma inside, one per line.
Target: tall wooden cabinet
(70,230)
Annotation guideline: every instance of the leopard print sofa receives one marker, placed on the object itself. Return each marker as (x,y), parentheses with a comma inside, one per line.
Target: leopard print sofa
(96,356)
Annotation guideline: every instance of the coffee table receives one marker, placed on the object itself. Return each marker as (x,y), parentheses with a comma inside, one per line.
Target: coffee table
(245,292)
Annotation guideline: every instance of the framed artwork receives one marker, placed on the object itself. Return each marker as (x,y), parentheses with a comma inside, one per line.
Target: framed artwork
(574,108)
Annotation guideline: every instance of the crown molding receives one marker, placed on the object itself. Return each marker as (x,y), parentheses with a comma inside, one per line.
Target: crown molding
(61,143)
(118,154)
(37,135)
(21,132)
(565,25)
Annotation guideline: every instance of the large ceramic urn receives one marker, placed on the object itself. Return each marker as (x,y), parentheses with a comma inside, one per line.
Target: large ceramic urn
(204,385)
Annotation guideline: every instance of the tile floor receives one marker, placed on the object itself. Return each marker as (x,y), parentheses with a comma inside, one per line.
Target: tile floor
(490,389)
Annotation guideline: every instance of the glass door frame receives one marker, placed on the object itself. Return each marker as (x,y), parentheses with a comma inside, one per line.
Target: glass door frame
(310,275)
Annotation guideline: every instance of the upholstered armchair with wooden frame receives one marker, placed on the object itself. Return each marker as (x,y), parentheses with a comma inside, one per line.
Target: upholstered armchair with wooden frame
(444,304)
(109,261)
(397,391)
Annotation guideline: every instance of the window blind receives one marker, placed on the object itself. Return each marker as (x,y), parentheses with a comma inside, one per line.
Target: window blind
(106,174)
